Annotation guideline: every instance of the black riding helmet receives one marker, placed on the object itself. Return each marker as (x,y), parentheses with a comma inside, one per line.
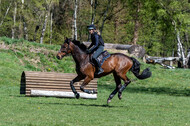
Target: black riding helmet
(91,27)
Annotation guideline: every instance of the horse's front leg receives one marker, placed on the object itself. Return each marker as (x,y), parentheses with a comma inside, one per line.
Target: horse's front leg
(76,79)
(86,81)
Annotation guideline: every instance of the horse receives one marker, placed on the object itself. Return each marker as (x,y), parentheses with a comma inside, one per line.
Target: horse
(118,64)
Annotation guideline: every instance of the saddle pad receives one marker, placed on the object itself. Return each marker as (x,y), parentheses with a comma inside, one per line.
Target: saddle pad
(103,56)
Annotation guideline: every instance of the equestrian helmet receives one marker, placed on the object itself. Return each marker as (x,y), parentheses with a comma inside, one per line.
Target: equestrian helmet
(91,27)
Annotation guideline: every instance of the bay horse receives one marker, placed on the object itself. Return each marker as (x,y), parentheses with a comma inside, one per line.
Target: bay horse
(118,64)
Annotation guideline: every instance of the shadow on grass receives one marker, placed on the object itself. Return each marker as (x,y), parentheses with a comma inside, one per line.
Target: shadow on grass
(80,104)
(159,90)
(151,90)
(96,105)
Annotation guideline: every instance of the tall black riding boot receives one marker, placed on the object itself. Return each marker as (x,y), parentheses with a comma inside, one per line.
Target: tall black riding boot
(98,67)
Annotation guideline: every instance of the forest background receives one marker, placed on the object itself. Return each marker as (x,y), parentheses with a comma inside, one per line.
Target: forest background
(157,25)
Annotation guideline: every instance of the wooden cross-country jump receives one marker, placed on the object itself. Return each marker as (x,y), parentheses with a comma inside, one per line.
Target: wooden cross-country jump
(52,84)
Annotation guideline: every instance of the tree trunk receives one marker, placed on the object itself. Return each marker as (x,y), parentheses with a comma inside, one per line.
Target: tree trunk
(44,28)
(137,25)
(0,7)
(25,28)
(24,22)
(93,11)
(22,4)
(180,50)
(105,15)
(74,36)
(36,30)
(186,39)
(136,32)
(20,35)
(20,23)
(51,25)
(14,21)
(64,3)
(188,58)
(116,24)
(6,13)
(45,21)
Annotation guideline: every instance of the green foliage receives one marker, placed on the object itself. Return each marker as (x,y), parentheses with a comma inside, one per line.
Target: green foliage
(11,41)
(155,21)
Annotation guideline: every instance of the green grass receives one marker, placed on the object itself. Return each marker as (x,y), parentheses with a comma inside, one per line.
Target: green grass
(162,100)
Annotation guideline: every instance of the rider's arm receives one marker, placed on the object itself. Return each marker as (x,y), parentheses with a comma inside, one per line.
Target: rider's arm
(90,45)
(95,44)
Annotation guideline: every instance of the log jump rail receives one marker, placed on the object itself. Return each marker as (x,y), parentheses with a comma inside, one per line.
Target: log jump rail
(161,60)
(112,46)
(53,84)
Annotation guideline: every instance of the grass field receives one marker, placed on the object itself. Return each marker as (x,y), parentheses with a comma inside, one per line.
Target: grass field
(162,100)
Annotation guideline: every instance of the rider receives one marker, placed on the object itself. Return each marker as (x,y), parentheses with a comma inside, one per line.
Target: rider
(96,47)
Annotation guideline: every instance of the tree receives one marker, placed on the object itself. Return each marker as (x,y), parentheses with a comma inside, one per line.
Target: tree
(136,20)
(93,10)
(14,20)
(6,13)
(74,36)
(105,15)
(159,28)
(47,10)
(178,23)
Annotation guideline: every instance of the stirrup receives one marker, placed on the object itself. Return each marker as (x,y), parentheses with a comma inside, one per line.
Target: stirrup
(100,70)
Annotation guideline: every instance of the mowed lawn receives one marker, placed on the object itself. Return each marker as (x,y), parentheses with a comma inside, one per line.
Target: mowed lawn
(162,100)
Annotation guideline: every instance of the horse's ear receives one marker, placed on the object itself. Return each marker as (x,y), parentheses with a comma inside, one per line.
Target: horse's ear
(65,38)
(74,40)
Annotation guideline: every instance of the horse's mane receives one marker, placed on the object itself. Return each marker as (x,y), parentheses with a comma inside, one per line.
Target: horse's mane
(80,45)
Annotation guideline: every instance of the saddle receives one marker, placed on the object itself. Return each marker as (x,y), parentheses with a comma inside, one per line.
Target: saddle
(101,58)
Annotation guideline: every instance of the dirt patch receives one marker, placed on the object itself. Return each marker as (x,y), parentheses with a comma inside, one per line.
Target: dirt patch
(3,46)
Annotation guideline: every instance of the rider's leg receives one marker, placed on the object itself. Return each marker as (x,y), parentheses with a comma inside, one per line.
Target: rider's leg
(95,56)
(98,66)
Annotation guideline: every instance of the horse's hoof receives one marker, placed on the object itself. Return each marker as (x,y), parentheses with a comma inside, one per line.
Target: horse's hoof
(77,95)
(109,100)
(120,97)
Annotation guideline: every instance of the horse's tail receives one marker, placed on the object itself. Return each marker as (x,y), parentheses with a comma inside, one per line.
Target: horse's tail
(136,70)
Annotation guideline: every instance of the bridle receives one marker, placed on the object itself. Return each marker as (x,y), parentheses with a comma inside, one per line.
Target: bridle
(66,52)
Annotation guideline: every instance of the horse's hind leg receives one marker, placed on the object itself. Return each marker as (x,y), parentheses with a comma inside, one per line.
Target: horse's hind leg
(118,85)
(126,82)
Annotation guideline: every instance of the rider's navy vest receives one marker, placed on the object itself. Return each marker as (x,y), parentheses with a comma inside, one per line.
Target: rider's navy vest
(93,39)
